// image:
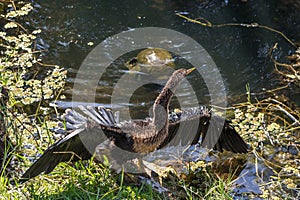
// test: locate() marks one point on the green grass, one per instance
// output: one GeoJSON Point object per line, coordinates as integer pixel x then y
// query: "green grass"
{"type": "Point", "coordinates": [84, 180]}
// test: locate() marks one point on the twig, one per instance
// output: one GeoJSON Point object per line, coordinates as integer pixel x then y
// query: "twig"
{"type": "Point", "coordinates": [296, 122]}
{"type": "Point", "coordinates": [252, 25]}
{"type": "Point", "coordinates": [45, 65]}
{"type": "Point", "coordinates": [22, 27]}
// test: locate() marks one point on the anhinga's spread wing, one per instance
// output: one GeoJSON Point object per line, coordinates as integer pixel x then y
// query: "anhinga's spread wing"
{"type": "Point", "coordinates": [184, 124]}
{"type": "Point", "coordinates": [222, 136]}
{"type": "Point", "coordinates": [188, 126]}
{"type": "Point", "coordinates": [82, 132]}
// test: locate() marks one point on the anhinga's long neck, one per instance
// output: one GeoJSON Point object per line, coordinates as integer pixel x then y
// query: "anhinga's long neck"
{"type": "Point", "coordinates": [161, 104]}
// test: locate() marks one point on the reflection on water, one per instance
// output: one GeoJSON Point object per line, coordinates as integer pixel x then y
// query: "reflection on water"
{"type": "Point", "coordinates": [240, 53]}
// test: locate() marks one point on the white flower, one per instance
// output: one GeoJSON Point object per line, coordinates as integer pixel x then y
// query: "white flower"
{"type": "Point", "coordinates": [2, 34]}
{"type": "Point", "coordinates": [90, 43]}
{"type": "Point", "coordinates": [36, 31]}
{"type": "Point", "coordinates": [10, 25]}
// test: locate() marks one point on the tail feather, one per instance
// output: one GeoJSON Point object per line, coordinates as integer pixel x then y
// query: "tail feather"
{"type": "Point", "coordinates": [108, 114]}
{"type": "Point", "coordinates": [102, 115]}
{"type": "Point", "coordinates": [73, 117]}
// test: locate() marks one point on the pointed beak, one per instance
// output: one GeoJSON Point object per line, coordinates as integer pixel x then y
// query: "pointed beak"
{"type": "Point", "coordinates": [190, 70]}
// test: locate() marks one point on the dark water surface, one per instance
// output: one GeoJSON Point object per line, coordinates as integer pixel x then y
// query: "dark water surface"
{"type": "Point", "coordinates": [241, 54]}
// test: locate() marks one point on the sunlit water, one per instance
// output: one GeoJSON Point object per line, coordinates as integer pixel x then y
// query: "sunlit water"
{"type": "Point", "coordinates": [241, 54]}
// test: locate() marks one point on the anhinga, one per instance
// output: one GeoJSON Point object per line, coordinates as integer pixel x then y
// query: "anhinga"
{"type": "Point", "coordinates": [137, 136]}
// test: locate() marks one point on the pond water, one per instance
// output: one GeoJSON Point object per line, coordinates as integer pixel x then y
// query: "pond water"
{"type": "Point", "coordinates": [241, 54]}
